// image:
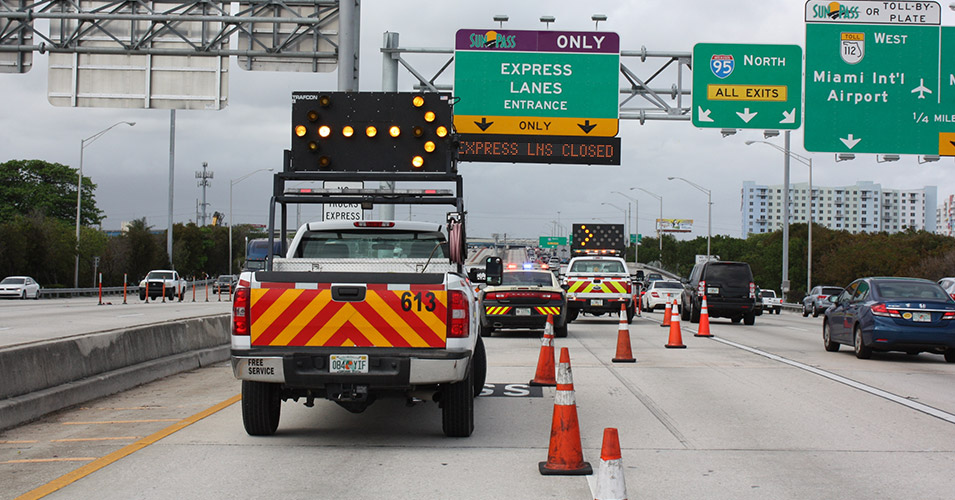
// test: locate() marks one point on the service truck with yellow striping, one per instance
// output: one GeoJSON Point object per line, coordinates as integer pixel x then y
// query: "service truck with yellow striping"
{"type": "Point", "coordinates": [597, 280]}
{"type": "Point", "coordinates": [354, 311]}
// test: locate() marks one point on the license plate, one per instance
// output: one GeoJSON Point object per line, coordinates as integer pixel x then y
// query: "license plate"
{"type": "Point", "coordinates": [597, 302]}
{"type": "Point", "coordinates": [522, 311]}
{"type": "Point", "coordinates": [922, 317]}
{"type": "Point", "coordinates": [348, 363]}
{"type": "Point", "coordinates": [712, 290]}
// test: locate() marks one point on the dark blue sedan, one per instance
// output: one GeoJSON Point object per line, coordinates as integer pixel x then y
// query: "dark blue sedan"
{"type": "Point", "coordinates": [891, 314]}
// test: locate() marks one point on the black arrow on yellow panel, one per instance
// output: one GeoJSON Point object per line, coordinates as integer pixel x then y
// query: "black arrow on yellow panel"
{"type": "Point", "coordinates": [586, 126]}
{"type": "Point", "coordinates": [483, 124]}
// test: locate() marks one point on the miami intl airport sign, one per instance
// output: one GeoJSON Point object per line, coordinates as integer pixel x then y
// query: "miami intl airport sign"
{"type": "Point", "coordinates": [552, 83]}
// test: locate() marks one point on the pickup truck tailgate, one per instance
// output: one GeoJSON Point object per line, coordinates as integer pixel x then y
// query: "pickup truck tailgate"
{"type": "Point", "coordinates": [364, 314]}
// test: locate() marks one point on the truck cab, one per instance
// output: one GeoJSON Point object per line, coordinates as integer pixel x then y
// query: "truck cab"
{"type": "Point", "coordinates": [598, 285]}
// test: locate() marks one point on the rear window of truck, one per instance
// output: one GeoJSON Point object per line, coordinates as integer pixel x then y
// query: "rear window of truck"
{"type": "Point", "coordinates": [597, 266]}
{"type": "Point", "coordinates": [365, 244]}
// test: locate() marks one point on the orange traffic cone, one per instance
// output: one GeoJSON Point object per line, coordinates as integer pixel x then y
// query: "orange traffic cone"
{"type": "Point", "coordinates": [676, 339]}
{"type": "Point", "coordinates": [704, 330]}
{"type": "Point", "coordinates": [610, 483]}
{"type": "Point", "coordinates": [565, 455]}
{"type": "Point", "coordinates": [545, 362]}
{"type": "Point", "coordinates": [666, 315]}
{"type": "Point", "coordinates": [624, 354]}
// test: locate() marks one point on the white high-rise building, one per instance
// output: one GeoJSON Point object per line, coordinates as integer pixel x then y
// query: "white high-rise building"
{"type": "Point", "coordinates": [945, 217]}
{"type": "Point", "coordinates": [865, 207]}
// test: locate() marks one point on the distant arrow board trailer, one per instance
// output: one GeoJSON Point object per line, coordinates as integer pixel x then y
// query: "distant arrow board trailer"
{"type": "Point", "coordinates": [553, 83]}
{"type": "Point", "coordinates": [747, 86]}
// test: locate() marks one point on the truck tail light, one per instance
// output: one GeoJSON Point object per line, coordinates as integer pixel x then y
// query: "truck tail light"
{"type": "Point", "coordinates": [701, 288]}
{"type": "Point", "coordinates": [458, 312]}
{"type": "Point", "coordinates": [752, 290]}
{"type": "Point", "coordinates": [240, 312]}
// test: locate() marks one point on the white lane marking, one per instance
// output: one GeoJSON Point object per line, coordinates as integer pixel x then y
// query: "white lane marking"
{"type": "Point", "coordinates": [129, 315]}
{"type": "Point", "coordinates": [935, 412]}
{"type": "Point", "coordinates": [798, 329]}
{"type": "Point", "coordinates": [4, 328]}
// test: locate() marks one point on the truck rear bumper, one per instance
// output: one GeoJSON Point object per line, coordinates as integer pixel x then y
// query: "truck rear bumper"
{"type": "Point", "coordinates": [396, 369]}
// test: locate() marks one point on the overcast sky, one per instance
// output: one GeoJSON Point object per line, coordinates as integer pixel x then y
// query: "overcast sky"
{"type": "Point", "coordinates": [130, 165]}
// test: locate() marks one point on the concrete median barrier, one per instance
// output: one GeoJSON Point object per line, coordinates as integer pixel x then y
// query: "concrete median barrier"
{"type": "Point", "coordinates": [42, 377]}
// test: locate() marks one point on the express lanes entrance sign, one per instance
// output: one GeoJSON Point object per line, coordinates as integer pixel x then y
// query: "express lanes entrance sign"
{"type": "Point", "coordinates": [554, 83]}
{"type": "Point", "coordinates": [880, 78]}
{"type": "Point", "coordinates": [747, 86]}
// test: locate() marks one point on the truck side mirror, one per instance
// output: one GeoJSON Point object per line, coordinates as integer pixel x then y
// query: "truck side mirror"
{"type": "Point", "coordinates": [493, 271]}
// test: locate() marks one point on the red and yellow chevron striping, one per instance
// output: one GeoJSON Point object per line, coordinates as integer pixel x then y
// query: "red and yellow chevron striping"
{"type": "Point", "coordinates": [548, 310]}
{"type": "Point", "coordinates": [588, 286]}
{"type": "Point", "coordinates": [496, 310]}
{"type": "Point", "coordinates": [415, 316]}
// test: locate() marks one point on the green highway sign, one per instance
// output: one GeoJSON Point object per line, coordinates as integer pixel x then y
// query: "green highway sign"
{"type": "Point", "coordinates": [747, 86]}
{"type": "Point", "coordinates": [552, 241]}
{"type": "Point", "coordinates": [636, 238]}
{"type": "Point", "coordinates": [880, 78]}
{"type": "Point", "coordinates": [554, 83]}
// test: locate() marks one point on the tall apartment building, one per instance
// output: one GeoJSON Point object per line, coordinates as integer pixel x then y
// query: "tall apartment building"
{"type": "Point", "coordinates": [945, 217]}
{"type": "Point", "coordinates": [864, 207]}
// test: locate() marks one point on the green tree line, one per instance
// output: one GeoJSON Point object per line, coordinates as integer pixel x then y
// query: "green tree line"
{"type": "Point", "coordinates": [38, 234]}
{"type": "Point", "coordinates": [838, 257]}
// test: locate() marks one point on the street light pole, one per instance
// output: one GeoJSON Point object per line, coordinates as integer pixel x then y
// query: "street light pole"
{"type": "Point", "coordinates": [233, 182]}
{"type": "Point", "coordinates": [709, 211]}
{"type": "Point", "coordinates": [636, 224]}
{"type": "Point", "coordinates": [807, 162]}
{"type": "Point", "coordinates": [659, 234]}
{"type": "Point", "coordinates": [79, 195]}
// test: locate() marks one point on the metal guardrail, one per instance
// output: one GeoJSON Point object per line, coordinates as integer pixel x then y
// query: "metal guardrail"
{"type": "Point", "coordinates": [51, 293]}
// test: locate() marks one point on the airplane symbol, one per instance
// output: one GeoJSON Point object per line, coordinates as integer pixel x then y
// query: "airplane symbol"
{"type": "Point", "coordinates": [921, 89]}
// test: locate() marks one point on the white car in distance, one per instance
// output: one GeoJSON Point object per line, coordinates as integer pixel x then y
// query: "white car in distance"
{"type": "Point", "coordinates": [660, 293]}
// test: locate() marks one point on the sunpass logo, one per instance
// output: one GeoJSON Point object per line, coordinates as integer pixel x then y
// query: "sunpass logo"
{"type": "Point", "coordinates": [493, 39]}
{"type": "Point", "coordinates": [834, 10]}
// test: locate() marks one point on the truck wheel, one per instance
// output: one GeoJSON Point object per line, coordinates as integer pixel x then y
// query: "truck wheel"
{"type": "Point", "coordinates": [182, 294]}
{"type": "Point", "coordinates": [560, 331]}
{"type": "Point", "coordinates": [572, 315]}
{"type": "Point", "coordinates": [695, 312]}
{"type": "Point", "coordinates": [487, 331]}
{"type": "Point", "coordinates": [749, 319]}
{"type": "Point", "coordinates": [142, 295]}
{"type": "Point", "coordinates": [457, 406]}
{"type": "Point", "coordinates": [685, 313]}
{"type": "Point", "coordinates": [261, 407]}
{"type": "Point", "coordinates": [480, 367]}
{"type": "Point", "coordinates": [630, 314]}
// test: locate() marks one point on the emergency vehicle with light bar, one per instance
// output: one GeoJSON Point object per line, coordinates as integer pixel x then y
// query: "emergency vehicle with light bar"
{"type": "Point", "coordinates": [355, 311]}
{"type": "Point", "coordinates": [597, 280]}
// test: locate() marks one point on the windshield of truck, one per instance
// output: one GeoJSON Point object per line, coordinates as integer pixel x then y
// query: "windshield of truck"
{"type": "Point", "coordinates": [159, 276]}
{"type": "Point", "coordinates": [258, 249]}
{"type": "Point", "coordinates": [528, 278]}
{"type": "Point", "coordinates": [597, 266]}
{"type": "Point", "coordinates": [372, 244]}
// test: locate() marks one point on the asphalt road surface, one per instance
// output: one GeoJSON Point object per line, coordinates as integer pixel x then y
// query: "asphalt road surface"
{"type": "Point", "coordinates": [756, 412]}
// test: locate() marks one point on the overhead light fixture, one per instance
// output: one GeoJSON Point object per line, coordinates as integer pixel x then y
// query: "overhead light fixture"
{"type": "Point", "coordinates": [500, 18]}
{"type": "Point", "coordinates": [770, 133]}
{"type": "Point", "coordinates": [596, 18]}
{"type": "Point", "coordinates": [845, 156]}
{"type": "Point", "coordinates": [728, 131]}
{"type": "Point", "coordinates": [928, 159]}
{"type": "Point", "coordinates": [887, 158]}
{"type": "Point", "coordinates": [547, 20]}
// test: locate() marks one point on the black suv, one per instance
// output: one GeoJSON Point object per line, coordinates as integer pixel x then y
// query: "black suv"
{"type": "Point", "coordinates": [729, 289]}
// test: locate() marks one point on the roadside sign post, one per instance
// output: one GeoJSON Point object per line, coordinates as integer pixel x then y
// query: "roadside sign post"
{"type": "Point", "coordinates": [880, 78]}
{"type": "Point", "coordinates": [747, 86]}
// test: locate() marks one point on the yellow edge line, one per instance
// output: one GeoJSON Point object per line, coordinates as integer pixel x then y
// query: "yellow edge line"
{"type": "Point", "coordinates": [76, 475]}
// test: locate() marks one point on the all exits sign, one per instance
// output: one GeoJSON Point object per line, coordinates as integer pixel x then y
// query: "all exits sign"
{"type": "Point", "coordinates": [536, 82]}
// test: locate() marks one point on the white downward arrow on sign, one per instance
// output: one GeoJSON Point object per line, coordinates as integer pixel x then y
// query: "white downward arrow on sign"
{"type": "Point", "coordinates": [789, 117]}
{"type": "Point", "coordinates": [704, 116]}
{"type": "Point", "coordinates": [746, 115]}
{"type": "Point", "coordinates": [850, 141]}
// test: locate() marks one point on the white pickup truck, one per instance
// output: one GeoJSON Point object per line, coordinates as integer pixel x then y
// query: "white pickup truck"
{"type": "Point", "coordinates": [162, 281]}
{"type": "Point", "coordinates": [771, 303]}
{"type": "Point", "coordinates": [355, 311]}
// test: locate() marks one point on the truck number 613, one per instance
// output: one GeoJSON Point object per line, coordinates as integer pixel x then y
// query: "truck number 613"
{"type": "Point", "coordinates": [409, 301]}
